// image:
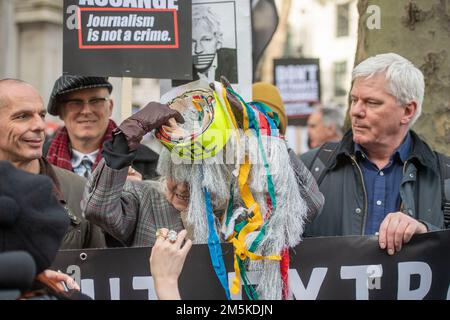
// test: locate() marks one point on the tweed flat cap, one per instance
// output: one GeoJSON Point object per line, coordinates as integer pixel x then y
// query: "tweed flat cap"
{"type": "Point", "coordinates": [66, 84]}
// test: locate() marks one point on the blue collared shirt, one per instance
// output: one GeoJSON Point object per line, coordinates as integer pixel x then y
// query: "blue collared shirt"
{"type": "Point", "coordinates": [383, 186]}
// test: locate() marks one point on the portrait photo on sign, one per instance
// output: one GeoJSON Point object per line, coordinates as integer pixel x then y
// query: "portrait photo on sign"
{"type": "Point", "coordinates": [214, 41]}
{"type": "Point", "coordinates": [217, 50]}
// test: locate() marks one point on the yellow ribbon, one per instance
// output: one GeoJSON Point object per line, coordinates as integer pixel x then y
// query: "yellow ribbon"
{"type": "Point", "coordinates": [255, 223]}
{"type": "Point", "coordinates": [240, 249]}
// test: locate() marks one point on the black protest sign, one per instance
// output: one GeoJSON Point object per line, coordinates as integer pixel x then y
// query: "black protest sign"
{"type": "Point", "coordinates": [299, 83]}
{"type": "Point", "coordinates": [130, 38]}
{"type": "Point", "coordinates": [320, 268]}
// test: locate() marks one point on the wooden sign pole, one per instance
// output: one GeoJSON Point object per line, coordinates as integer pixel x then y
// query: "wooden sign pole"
{"type": "Point", "coordinates": [126, 98]}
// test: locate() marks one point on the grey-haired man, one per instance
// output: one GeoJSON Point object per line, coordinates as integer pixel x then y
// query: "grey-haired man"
{"type": "Point", "coordinates": [381, 178]}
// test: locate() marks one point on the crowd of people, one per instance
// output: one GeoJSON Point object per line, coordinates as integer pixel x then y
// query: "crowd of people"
{"type": "Point", "coordinates": [94, 185]}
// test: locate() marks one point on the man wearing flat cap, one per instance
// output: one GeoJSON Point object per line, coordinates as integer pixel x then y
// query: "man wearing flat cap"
{"type": "Point", "coordinates": [83, 103]}
{"type": "Point", "coordinates": [22, 125]}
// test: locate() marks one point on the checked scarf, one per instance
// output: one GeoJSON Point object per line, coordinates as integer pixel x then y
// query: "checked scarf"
{"type": "Point", "coordinates": [60, 153]}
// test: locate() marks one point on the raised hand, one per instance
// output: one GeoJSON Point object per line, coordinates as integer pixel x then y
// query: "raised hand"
{"type": "Point", "coordinates": [152, 116]}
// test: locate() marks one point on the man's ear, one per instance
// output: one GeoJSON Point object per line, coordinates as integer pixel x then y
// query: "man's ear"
{"type": "Point", "coordinates": [111, 107]}
{"type": "Point", "coordinates": [61, 112]}
{"type": "Point", "coordinates": [331, 129]}
{"type": "Point", "coordinates": [409, 111]}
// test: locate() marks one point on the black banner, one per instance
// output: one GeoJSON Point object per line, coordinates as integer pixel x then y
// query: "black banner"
{"type": "Point", "coordinates": [344, 268]}
{"type": "Point", "coordinates": [148, 39]}
{"type": "Point", "coordinates": [299, 83]}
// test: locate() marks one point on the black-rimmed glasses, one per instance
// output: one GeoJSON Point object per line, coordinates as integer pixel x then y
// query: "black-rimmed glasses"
{"type": "Point", "coordinates": [79, 104]}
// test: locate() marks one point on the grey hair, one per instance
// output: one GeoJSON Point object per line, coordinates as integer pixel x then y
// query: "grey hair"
{"type": "Point", "coordinates": [332, 116]}
{"type": "Point", "coordinates": [403, 80]}
{"type": "Point", "coordinates": [204, 13]}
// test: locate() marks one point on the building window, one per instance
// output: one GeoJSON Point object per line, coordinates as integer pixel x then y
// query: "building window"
{"type": "Point", "coordinates": [343, 20]}
{"type": "Point", "coordinates": [340, 74]}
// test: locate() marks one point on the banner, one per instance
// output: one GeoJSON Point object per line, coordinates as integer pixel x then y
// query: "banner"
{"type": "Point", "coordinates": [343, 268]}
{"type": "Point", "coordinates": [299, 83]}
{"type": "Point", "coordinates": [127, 38]}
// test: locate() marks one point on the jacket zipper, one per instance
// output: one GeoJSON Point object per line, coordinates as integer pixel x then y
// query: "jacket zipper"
{"type": "Point", "coordinates": [365, 196]}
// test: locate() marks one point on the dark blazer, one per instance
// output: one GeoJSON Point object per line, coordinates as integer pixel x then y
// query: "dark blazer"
{"type": "Point", "coordinates": [346, 208]}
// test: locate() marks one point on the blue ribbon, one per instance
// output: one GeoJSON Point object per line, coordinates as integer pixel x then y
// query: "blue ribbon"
{"type": "Point", "coordinates": [215, 249]}
{"type": "Point", "coordinates": [253, 123]}
{"type": "Point", "coordinates": [260, 107]}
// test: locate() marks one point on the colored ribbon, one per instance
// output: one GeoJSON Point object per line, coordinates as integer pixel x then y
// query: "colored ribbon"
{"type": "Point", "coordinates": [215, 249]}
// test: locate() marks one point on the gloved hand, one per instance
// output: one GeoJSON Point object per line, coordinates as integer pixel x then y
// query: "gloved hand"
{"type": "Point", "coordinates": [152, 116]}
{"type": "Point", "coordinates": [235, 103]}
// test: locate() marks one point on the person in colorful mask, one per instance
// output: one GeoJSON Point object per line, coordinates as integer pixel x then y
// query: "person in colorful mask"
{"type": "Point", "coordinates": [215, 198]}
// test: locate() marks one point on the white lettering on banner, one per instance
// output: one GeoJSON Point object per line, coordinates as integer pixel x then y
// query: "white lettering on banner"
{"type": "Point", "coordinates": [311, 291]}
{"type": "Point", "coordinates": [253, 278]}
{"type": "Point", "coordinates": [368, 277]}
{"type": "Point", "coordinates": [144, 4]}
{"type": "Point", "coordinates": [361, 274]}
{"type": "Point", "coordinates": [112, 35]}
{"type": "Point", "coordinates": [151, 35]}
{"type": "Point", "coordinates": [131, 20]}
{"type": "Point", "coordinates": [93, 35]}
{"type": "Point", "coordinates": [87, 287]}
{"type": "Point", "coordinates": [405, 270]}
{"type": "Point", "coordinates": [114, 288]}
{"type": "Point", "coordinates": [145, 283]}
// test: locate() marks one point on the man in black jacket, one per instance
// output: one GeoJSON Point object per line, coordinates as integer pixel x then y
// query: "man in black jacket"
{"type": "Point", "coordinates": [381, 178]}
{"type": "Point", "coordinates": [83, 103]}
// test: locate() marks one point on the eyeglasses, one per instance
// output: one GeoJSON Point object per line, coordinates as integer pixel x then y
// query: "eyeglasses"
{"type": "Point", "coordinates": [79, 104]}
